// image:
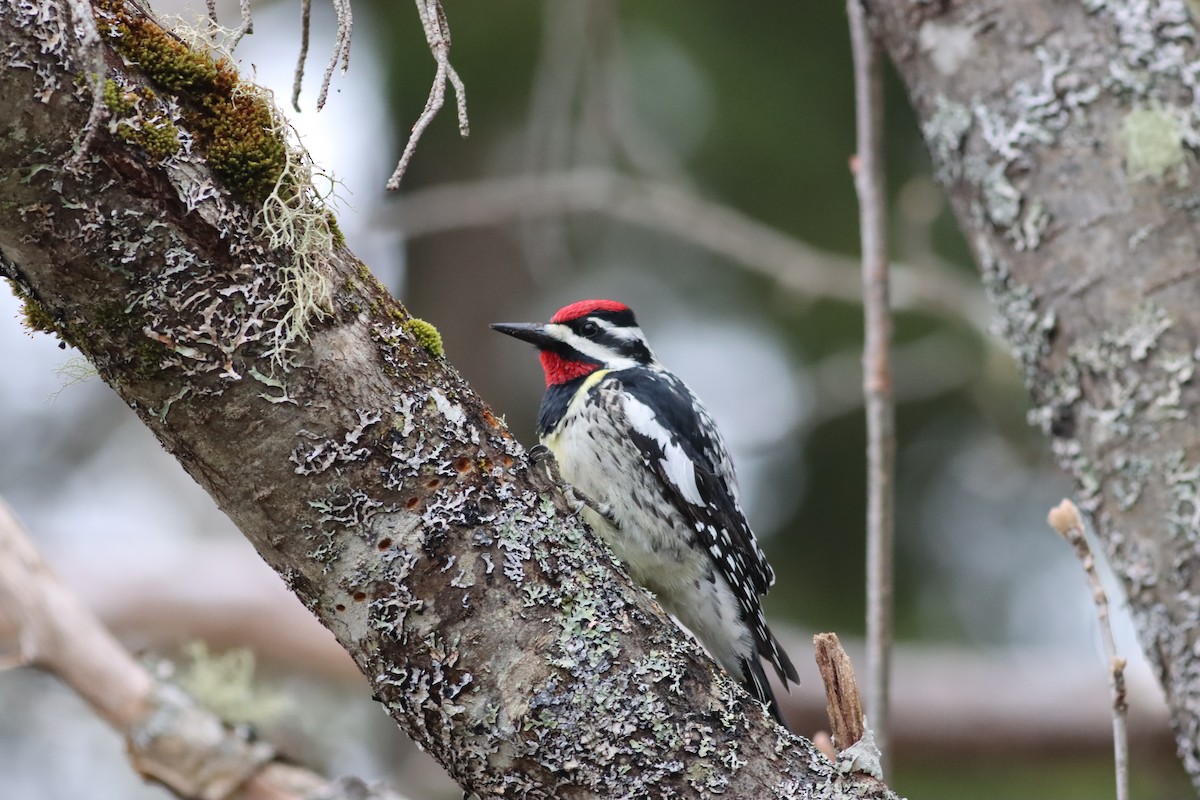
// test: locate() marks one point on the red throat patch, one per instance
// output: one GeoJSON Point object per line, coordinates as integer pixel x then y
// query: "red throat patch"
{"type": "Point", "coordinates": [561, 370]}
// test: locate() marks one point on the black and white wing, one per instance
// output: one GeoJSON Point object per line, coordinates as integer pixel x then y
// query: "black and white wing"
{"type": "Point", "coordinates": [682, 448]}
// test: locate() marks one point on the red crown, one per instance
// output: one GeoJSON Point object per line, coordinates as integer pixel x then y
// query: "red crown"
{"type": "Point", "coordinates": [585, 307]}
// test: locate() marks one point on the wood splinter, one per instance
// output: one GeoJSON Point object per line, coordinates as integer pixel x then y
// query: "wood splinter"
{"type": "Point", "coordinates": [841, 691]}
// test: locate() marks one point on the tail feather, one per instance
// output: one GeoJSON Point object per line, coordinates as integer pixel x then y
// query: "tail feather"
{"type": "Point", "coordinates": [770, 649]}
{"type": "Point", "coordinates": [754, 679]}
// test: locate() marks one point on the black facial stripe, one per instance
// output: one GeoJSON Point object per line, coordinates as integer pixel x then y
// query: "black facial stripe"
{"type": "Point", "coordinates": [633, 349]}
{"type": "Point", "coordinates": [618, 319]}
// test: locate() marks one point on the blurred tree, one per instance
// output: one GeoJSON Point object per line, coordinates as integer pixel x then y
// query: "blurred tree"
{"type": "Point", "coordinates": [1065, 136]}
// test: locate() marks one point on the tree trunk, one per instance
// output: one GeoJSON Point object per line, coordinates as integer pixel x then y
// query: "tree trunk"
{"type": "Point", "coordinates": [326, 423]}
{"type": "Point", "coordinates": [1065, 135]}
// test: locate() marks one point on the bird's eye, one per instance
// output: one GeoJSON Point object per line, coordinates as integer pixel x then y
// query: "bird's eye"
{"type": "Point", "coordinates": [589, 329]}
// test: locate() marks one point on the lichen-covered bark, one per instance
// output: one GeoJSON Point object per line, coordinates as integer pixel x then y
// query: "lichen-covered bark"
{"type": "Point", "coordinates": [326, 423]}
{"type": "Point", "coordinates": [1066, 134]}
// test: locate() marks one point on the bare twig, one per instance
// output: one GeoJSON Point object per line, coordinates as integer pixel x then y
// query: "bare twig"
{"type": "Point", "coordinates": [170, 738]}
{"type": "Point", "coordinates": [341, 48]}
{"type": "Point", "coordinates": [877, 379]}
{"type": "Point", "coordinates": [1065, 519]}
{"type": "Point", "coordinates": [437, 34]}
{"type": "Point", "coordinates": [305, 34]}
{"type": "Point", "coordinates": [796, 266]}
{"type": "Point", "coordinates": [341, 51]}
{"type": "Point", "coordinates": [245, 25]}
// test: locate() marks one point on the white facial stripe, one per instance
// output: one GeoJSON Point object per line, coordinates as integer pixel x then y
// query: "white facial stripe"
{"type": "Point", "coordinates": [621, 331]}
{"type": "Point", "coordinates": [678, 467]}
{"type": "Point", "coordinates": [589, 348]}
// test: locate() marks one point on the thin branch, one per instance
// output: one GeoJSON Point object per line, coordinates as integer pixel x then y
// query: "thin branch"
{"type": "Point", "coordinates": [169, 738]}
{"type": "Point", "coordinates": [1065, 519]}
{"type": "Point", "coordinates": [341, 51]}
{"type": "Point", "coordinates": [305, 34]}
{"type": "Point", "coordinates": [797, 267]}
{"type": "Point", "coordinates": [437, 35]}
{"type": "Point", "coordinates": [877, 379]}
{"type": "Point", "coordinates": [245, 25]}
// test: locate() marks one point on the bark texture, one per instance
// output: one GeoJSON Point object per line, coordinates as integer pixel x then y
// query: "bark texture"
{"type": "Point", "coordinates": [1065, 135]}
{"type": "Point", "coordinates": [326, 423]}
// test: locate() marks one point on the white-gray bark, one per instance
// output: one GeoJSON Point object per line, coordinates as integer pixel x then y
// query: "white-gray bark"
{"type": "Point", "coordinates": [1065, 135]}
{"type": "Point", "coordinates": [325, 422]}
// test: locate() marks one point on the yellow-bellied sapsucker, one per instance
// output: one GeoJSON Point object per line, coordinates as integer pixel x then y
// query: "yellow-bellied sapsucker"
{"type": "Point", "coordinates": [633, 438]}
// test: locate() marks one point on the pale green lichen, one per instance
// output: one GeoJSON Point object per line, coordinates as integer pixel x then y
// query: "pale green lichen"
{"type": "Point", "coordinates": [944, 131]}
{"type": "Point", "coordinates": [1152, 142]}
{"type": "Point", "coordinates": [224, 683]}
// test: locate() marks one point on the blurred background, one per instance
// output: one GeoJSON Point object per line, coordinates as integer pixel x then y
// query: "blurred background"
{"type": "Point", "coordinates": [691, 160]}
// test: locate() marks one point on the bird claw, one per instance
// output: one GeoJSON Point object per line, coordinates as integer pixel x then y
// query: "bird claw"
{"type": "Point", "coordinates": [546, 478]}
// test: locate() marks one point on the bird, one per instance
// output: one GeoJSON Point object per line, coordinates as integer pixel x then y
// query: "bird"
{"type": "Point", "coordinates": [633, 438]}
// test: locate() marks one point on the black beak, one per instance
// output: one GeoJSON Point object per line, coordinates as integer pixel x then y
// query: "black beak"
{"type": "Point", "coordinates": [532, 332]}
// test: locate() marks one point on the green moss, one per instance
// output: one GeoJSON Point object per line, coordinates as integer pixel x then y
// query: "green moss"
{"type": "Point", "coordinates": [338, 239]}
{"type": "Point", "coordinates": [425, 334]}
{"type": "Point", "coordinates": [120, 103]}
{"type": "Point", "coordinates": [232, 120]}
{"type": "Point", "coordinates": [158, 136]}
{"type": "Point", "coordinates": [36, 317]}
{"type": "Point", "coordinates": [1153, 142]}
{"type": "Point", "coordinates": [245, 150]}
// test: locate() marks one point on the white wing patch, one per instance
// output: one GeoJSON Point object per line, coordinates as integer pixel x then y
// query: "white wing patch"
{"type": "Point", "coordinates": [676, 465]}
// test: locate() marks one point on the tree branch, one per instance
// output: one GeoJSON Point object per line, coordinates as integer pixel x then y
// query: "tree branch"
{"type": "Point", "coordinates": [794, 265]}
{"type": "Point", "coordinates": [170, 739]}
{"type": "Point", "coordinates": [1065, 519]}
{"type": "Point", "coordinates": [437, 35]}
{"type": "Point", "coordinates": [877, 371]}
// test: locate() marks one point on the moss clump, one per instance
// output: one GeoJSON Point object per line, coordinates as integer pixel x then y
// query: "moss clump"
{"type": "Point", "coordinates": [233, 121]}
{"type": "Point", "coordinates": [426, 335]}
{"type": "Point", "coordinates": [1153, 142]}
{"type": "Point", "coordinates": [36, 317]}
{"type": "Point", "coordinates": [156, 135]}
{"type": "Point", "coordinates": [338, 239]}
{"type": "Point", "coordinates": [245, 148]}
{"type": "Point", "coordinates": [119, 103]}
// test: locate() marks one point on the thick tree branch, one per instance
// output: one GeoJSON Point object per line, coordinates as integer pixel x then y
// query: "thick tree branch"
{"type": "Point", "coordinates": [1037, 117]}
{"type": "Point", "coordinates": [497, 631]}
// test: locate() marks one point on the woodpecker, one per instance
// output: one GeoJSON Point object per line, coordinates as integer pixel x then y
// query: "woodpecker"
{"type": "Point", "coordinates": [633, 438]}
